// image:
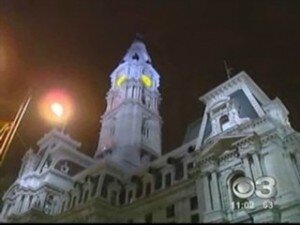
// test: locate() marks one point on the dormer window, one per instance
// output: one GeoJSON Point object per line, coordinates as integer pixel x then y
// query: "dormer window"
{"type": "Point", "coordinates": [224, 122]}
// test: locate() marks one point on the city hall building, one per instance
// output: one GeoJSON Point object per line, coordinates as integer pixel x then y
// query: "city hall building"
{"type": "Point", "coordinates": [239, 162]}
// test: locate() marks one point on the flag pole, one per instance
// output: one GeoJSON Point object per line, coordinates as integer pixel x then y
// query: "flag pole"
{"type": "Point", "coordinates": [13, 128]}
{"type": "Point", "coordinates": [227, 70]}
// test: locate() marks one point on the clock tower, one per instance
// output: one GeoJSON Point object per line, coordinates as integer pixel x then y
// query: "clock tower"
{"type": "Point", "coordinates": [131, 125]}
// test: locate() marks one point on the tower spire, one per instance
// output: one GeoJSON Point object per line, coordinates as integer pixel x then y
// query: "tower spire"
{"type": "Point", "coordinates": [131, 125]}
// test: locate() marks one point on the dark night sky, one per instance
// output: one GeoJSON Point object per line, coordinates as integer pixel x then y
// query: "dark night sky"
{"type": "Point", "coordinates": [76, 44]}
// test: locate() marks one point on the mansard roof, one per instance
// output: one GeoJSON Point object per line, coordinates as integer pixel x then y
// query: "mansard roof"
{"type": "Point", "coordinates": [247, 98]}
{"type": "Point", "coordinates": [233, 84]}
{"type": "Point", "coordinates": [192, 131]}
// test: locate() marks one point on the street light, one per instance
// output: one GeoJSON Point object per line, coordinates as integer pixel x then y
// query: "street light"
{"type": "Point", "coordinates": [56, 106]}
{"type": "Point", "coordinates": [58, 111]}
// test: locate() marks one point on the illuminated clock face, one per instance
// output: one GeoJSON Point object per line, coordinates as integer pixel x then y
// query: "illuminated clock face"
{"type": "Point", "coordinates": [146, 80]}
{"type": "Point", "coordinates": [121, 80]}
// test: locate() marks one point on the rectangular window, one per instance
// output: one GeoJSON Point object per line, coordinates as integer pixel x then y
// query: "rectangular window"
{"type": "Point", "coordinates": [178, 171]}
{"type": "Point", "coordinates": [148, 218]}
{"type": "Point", "coordinates": [170, 211]}
{"type": "Point", "coordinates": [158, 181]}
{"type": "Point", "coordinates": [168, 180]}
{"type": "Point", "coordinates": [194, 203]}
{"type": "Point", "coordinates": [195, 218]}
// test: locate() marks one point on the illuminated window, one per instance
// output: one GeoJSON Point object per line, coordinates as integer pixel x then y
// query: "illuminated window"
{"type": "Point", "coordinates": [146, 80]}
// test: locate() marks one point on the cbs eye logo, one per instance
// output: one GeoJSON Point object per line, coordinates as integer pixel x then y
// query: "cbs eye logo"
{"type": "Point", "coordinates": [264, 187]}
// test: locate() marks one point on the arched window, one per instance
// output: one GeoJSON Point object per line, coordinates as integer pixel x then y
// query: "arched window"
{"type": "Point", "coordinates": [224, 122]}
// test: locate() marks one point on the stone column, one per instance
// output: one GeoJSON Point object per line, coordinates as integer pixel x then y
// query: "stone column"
{"type": "Point", "coordinates": [185, 170]}
{"type": "Point", "coordinates": [215, 192]}
{"type": "Point", "coordinates": [126, 196]}
{"type": "Point", "coordinates": [292, 170]}
{"type": "Point", "coordinates": [136, 92]}
{"type": "Point", "coordinates": [208, 205]}
{"type": "Point", "coordinates": [3, 212]}
{"type": "Point", "coordinates": [25, 204]}
{"type": "Point", "coordinates": [247, 167]}
{"type": "Point", "coordinates": [99, 185]}
{"type": "Point", "coordinates": [163, 180]}
{"type": "Point", "coordinates": [257, 165]}
{"type": "Point", "coordinates": [43, 199]}
{"type": "Point", "coordinates": [18, 204]}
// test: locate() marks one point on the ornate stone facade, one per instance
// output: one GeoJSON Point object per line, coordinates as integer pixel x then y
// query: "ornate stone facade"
{"type": "Point", "coordinates": [242, 134]}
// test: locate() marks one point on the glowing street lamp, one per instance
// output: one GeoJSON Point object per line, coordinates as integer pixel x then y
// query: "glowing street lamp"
{"type": "Point", "coordinates": [57, 109]}
{"type": "Point", "coordinates": [56, 106]}
{"type": "Point", "coordinates": [59, 112]}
